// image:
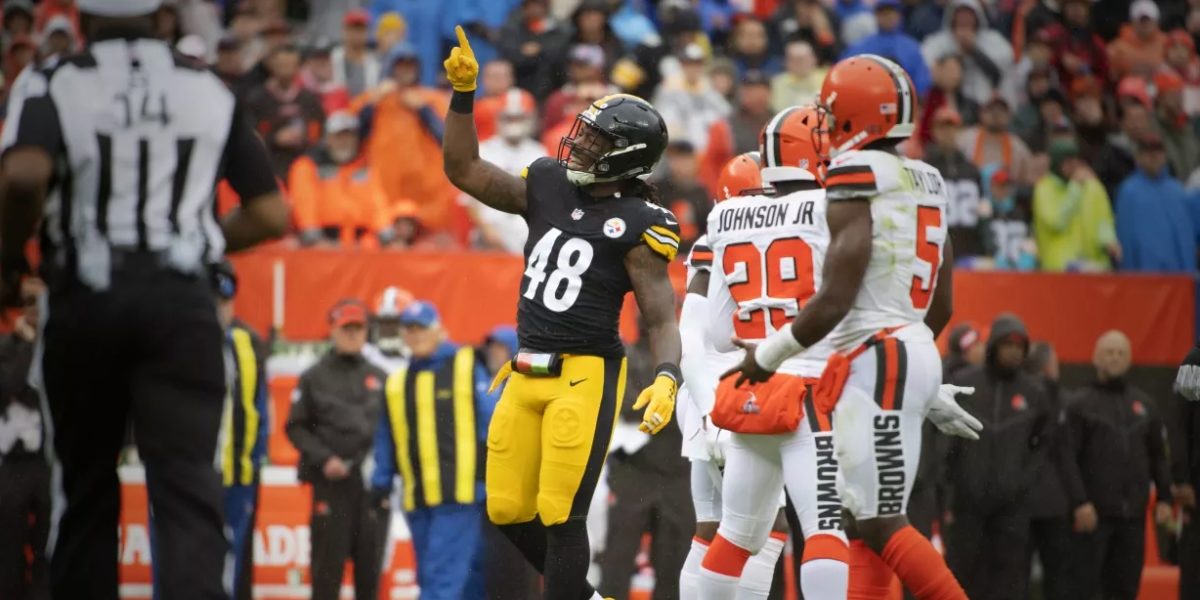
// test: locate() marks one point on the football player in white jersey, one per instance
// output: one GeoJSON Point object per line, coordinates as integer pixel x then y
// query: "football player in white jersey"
{"type": "Point", "coordinates": [884, 296]}
{"type": "Point", "coordinates": [702, 441]}
{"type": "Point", "coordinates": [767, 256]}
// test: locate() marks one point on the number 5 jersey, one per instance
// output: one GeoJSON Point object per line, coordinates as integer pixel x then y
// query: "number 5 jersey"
{"type": "Point", "coordinates": [575, 278]}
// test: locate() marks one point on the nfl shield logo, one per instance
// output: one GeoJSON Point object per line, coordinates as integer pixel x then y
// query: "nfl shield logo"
{"type": "Point", "coordinates": [750, 407]}
{"type": "Point", "coordinates": [577, 214]}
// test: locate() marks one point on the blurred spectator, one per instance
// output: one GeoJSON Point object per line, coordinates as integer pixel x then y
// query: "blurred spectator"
{"type": "Point", "coordinates": [1116, 160]}
{"type": "Point", "coordinates": [317, 76]}
{"type": "Point", "coordinates": [1119, 445]}
{"type": "Point", "coordinates": [1154, 223]}
{"type": "Point", "coordinates": [1037, 56]}
{"type": "Point", "coordinates": [804, 20]}
{"type": "Point", "coordinates": [590, 27]}
{"type": "Point", "coordinates": [1181, 58]}
{"type": "Point", "coordinates": [682, 192]}
{"type": "Point", "coordinates": [663, 509]}
{"type": "Point", "coordinates": [1185, 452]}
{"type": "Point", "coordinates": [354, 65]}
{"type": "Point", "coordinates": [446, 515]}
{"type": "Point", "coordinates": [801, 79]}
{"type": "Point", "coordinates": [24, 469]}
{"type": "Point", "coordinates": [1073, 220]}
{"type": "Point", "coordinates": [1004, 225]}
{"type": "Point", "coordinates": [965, 348]}
{"type": "Point", "coordinates": [1141, 45]}
{"type": "Point", "coordinates": [21, 52]}
{"type": "Point", "coordinates": [425, 31]}
{"type": "Point", "coordinates": [854, 20]}
{"type": "Point", "coordinates": [688, 104]}
{"type": "Point", "coordinates": [18, 21]}
{"type": "Point", "coordinates": [925, 18]}
{"type": "Point", "coordinates": [1049, 508]}
{"type": "Point", "coordinates": [1049, 114]}
{"type": "Point", "coordinates": [749, 49]}
{"type": "Point", "coordinates": [947, 91]}
{"type": "Point", "coordinates": [987, 57]}
{"type": "Point", "coordinates": [336, 199]}
{"type": "Point", "coordinates": [962, 183]}
{"type": "Point", "coordinates": [332, 423]}
{"type": "Point", "coordinates": [512, 149]}
{"type": "Point", "coordinates": [194, 48]}
{"type": "Point", "coordinates": [166, 23]}
{"type": "Point", "coordinates": [286, 115]}
{"type": "Point", "coordinates": [495, 80]}
{"type": "Point", "coordinates": [48, 9]}
{"type": "Point", "coordinates": [275, 35]}
{"type": "Point", "coordinates": [390, 29]}
{"type": "Point", "coordinates": [753, 112]}
{"type": "Point", "coordinates": [405, 120]}
{"type": "Point", "coordinates": [585, 65]}
{"type": "Point", "coordinates": [892, 42]}
{"type": "Point", "coordinates": [532, 41]}
{"type": "Point", "coordinates": [58, 40]}
{"type": "Point", "coordinates": [1077, 50]}
{"type": "Point", "coordinates": [245, 27]}
{"type": "Point", "coordinates": [1179, 132]}
{"type": "Point", "coordinates": [655, 58]}
{"type": "Point", "coordinates": [991, 144]}
{"type": "Point", "coordinates": [989, 480]}
{"type": "Point", "coordinates": [229, 65]}
{"type": "Point", "coordinates": [630, 23]}
{"type": "Point", "coordinates": [584, 96]}
{"type": "Point", "coordinates": [326, 19]}
{"type": "Point", "coordinates": [1027, 120]}
{"type": "Point", "coordinates": [722, 74]}
{"type": "Point", "coordinates": [385, 348]}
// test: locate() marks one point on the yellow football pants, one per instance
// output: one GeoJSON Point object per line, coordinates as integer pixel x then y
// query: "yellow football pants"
{"type": "Point", "coordinates": [548, 440]}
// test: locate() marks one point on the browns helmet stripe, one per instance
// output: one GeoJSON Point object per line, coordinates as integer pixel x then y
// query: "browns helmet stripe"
{"type": "Point", "coordinates": [772, 140]}
{"type": "Point", "coordinates": [904, 91]}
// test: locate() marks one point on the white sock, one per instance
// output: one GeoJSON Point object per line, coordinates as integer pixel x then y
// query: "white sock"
{"type": "Point", "coordinates": [715, 586]}
{"type": "Point", "coordinates": [759, 571]}
{"type": "Point", "coordinates": [597, 596]}
{"type": "Point", "coordinates": [689, 576]}
{"type": "Point", "coordinates": [824, 578]}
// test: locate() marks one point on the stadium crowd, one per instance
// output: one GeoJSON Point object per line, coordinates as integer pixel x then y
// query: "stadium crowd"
{"type": "Point", "coordinates": [1068, 130]}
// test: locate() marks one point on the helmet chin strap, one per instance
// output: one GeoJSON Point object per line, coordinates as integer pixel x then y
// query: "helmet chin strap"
{"type": "Point", "coordinates": [585, 178]}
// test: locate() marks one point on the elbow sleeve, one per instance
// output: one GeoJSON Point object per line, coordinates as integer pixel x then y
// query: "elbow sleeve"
{"type": "Point", "coordinates": [700, 380]}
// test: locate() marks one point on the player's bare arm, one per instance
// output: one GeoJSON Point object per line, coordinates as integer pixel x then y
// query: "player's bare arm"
{"type": "Point", "coordinates": [656, 300]}
{"type": "Point", "coordinates": [699, 284]}
{"type": "Point", "coordinates": [941, 307]}
{"type": "Point", "coordinates": [26, 176]}
{"type": "Point", "coordinates": [845, 264]}
{"type": "Point", "coordinates": [468, 172]}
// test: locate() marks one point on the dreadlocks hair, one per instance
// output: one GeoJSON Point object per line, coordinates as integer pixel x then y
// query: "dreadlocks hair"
{"type": "Point", "coordinates": [642, 189]}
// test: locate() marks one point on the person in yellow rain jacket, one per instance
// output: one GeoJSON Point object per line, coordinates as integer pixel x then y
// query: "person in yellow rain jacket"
{"type": "Point", "coordinates": [338, 200]}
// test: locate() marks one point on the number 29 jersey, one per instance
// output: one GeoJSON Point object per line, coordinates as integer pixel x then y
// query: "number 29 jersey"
{"type": "Point", "coordinates": [908, 231]}
{"type": "Point", "coordinates": [768, 252]}
{"type": "Point", "coordinates": [575, 278]}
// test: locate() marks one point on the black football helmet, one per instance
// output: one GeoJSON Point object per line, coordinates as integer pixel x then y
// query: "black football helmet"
{"type": "Point", "coordinates": [618, 137]}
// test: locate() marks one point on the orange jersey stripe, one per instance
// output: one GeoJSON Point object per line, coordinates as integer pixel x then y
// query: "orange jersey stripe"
{"type": "Point", "coordinates": [891, 355]}
{"type": "Point", "coordinates": [851, 179]}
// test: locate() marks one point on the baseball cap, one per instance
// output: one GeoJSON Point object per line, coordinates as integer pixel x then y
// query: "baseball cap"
{"type": "Point", "coordinates": [503, 334]}
{"type": "Point", "coordinates": [356, 18]}
{"type": "Point", "coordinates": [692, 53]}
{"type": "Point", "coordinates": [348, 312]}
{"type": "Point", "coordinates": [420, 313]}
{"type": "Point", "coordinates": [118, 8]}
{"type": "Point", "coordinates": [1136, 88]}
{"type": "Point", "coordinates": [193, 46]}
{"type": "Point", "coordinates": [389, 22]}
{"type": "Point", "coordinates": [1143, 9]}
{"type": "Point", "coordinates": [59, 24]}
{"type": "Point", "coordinates": [947, 114]}
{"type": "Point", "coordinates": [339, 121]}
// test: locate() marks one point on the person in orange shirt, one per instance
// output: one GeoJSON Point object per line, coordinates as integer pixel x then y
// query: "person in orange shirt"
{"type": "Point", "coordinates": [1141, 46]}
{"type": "Point", "coordinates": [337, 199]}
{"type": "Point", "coordinates": [404, 142]}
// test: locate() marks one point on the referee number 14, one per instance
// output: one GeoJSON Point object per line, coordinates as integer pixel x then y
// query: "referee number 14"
{"type": "Point", "coordinates": [560, 287]}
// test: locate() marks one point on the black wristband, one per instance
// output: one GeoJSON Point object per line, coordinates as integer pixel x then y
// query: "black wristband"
{"type": "Point", "coordinates": [671, 370]}
{"type": "Point", "coordinates": [462, 102]}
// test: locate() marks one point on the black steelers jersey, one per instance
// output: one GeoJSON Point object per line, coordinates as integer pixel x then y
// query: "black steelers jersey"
{"type": "Point", "coordinates": [575, 279]}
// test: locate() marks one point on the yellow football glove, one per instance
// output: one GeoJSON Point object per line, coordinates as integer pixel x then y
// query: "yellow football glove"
{"type": "Point", "coordinates": [659, 402]}
{"type": "Point", "coordinates": [461, 68]}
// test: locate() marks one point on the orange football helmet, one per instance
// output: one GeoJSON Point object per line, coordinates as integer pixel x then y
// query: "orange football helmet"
{"type": "Point", "coordinates": [866, 98]}
{"type": "Point", "coordinates": [791, 145]}
{"type": "Point", "coordinates": [741, 174]}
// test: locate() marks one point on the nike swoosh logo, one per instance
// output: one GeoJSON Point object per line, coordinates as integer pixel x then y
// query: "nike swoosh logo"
{"type": "Point", "coordinates": [578, 381]}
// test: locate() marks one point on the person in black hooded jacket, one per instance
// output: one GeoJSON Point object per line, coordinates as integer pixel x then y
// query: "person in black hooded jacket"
{"type": "Point", "coordinates": [988, 481]}
{"type": "Point", "coordinates": [1119, 446]}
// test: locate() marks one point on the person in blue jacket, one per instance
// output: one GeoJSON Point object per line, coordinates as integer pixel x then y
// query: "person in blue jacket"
{"type": "Point", "coordinates": [1154, 223]}
{"type": "Point", "coordinates": [890, 41]}
{"type": "Point", "coordinates": [434, 436]}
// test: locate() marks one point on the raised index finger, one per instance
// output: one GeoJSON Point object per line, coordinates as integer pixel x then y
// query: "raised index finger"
{"type": "Point", "coordinates": [462, 40]}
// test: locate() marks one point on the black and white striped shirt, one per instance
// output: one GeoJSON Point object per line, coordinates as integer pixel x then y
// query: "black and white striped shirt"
{"type": "Point", "coordinates": [140, 138]}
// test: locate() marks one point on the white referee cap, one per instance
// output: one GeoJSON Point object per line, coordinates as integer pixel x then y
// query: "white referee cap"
{"type": "Point", "coordinates": [119, 8]}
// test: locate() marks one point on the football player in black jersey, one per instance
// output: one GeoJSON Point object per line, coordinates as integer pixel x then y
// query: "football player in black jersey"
{"type": "Point", "coordinates": [593, 236]}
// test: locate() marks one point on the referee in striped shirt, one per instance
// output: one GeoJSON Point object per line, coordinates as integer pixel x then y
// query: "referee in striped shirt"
{"type": "Point", "coordinates": [117, 151]}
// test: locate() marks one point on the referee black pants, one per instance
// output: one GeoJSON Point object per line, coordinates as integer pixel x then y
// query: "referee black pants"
{"type": "Point", "coordinates": [147, 352]}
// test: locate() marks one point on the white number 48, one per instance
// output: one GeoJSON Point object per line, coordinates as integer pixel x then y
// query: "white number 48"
{"type": "Point", "coordinates": [574, 258]}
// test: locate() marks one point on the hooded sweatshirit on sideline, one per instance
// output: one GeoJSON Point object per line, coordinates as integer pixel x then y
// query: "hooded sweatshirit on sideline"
{"type": "Point", "coordinates": [976, 83]}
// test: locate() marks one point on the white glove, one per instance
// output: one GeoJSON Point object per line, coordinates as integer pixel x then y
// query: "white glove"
{"type": "Point", "coordinates": [950, 418]}
{"type": "Point", "coordinates": [1187, 382]}
{"type": "Point", "coordinates": [713, 442]}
